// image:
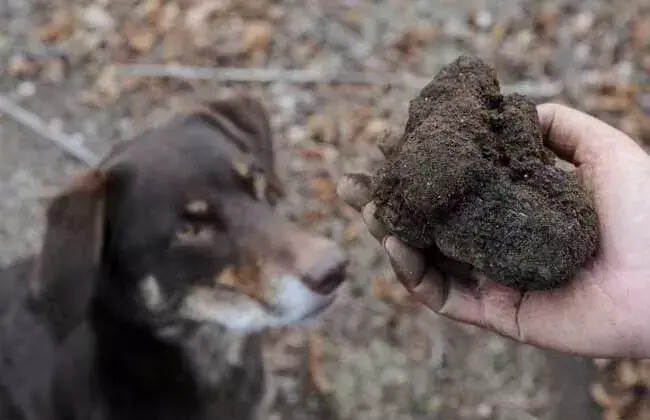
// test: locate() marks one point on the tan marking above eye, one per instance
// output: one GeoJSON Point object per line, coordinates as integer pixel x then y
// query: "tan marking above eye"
{"type": "Point", "coordinates": [197, 207]}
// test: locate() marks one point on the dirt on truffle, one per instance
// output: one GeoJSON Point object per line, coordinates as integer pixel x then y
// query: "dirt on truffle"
{"type": "Point", "coordinates": [473, 178]}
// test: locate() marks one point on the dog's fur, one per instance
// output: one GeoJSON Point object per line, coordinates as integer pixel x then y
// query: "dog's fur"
{"type": "Point", "coordinates": [157, 272]}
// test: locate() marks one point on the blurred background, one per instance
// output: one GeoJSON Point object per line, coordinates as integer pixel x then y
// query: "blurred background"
{"type": "Point", "coordinates": [77, 67]}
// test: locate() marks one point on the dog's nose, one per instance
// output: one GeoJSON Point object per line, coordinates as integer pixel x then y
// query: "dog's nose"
{"type": "Point", "coordinates": [327, 272]}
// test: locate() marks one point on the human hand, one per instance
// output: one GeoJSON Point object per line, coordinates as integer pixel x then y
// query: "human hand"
{"type": "Point", "coordinates": [605, 310]}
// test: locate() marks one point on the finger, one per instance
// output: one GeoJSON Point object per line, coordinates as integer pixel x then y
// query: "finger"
{"type": "Point", "coordinates": [408, 263]}
{"type": "Point", "coordinates": [374, 226]}
{"type": "Point", "coordinates": [485, 304]}
{"type": "Point", "coordinates": [354, 189]}
{"type": "Point", "coordinates": [575, 136]}
{"type": "Point", "coordinates": [433, 290]}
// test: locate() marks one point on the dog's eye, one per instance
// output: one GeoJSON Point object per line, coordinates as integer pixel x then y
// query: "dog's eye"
{"type": "Point", "coordinates": [195, 233]}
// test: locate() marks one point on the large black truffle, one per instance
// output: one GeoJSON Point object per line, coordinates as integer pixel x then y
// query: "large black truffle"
{"type": "Point", "coordinates": [473, 178]}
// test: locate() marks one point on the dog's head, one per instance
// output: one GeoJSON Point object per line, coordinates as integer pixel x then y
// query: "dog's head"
{"type": "Point", "coordinates": [177, 226]}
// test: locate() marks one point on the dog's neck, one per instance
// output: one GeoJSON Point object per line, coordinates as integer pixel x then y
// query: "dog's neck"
{"type": "Point", "coordinates": [210, 371]}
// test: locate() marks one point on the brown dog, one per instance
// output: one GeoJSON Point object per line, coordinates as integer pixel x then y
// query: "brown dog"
{"type": "Point", "coordinates": [157, 271]}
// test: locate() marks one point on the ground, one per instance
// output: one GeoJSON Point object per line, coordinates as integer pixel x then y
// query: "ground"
{"type": "Point", "coordinates": [375, 354]}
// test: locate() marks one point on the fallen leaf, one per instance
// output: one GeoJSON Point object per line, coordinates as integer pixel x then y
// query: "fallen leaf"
{"type": "Point", "coordinates": [139, 37]}
{"type": "Point", "coordinates": [60, 27]}
{"type": "Point", "coordinates": [105, 89]}
{"type": "Point", "coordinates": [324, 189]}
{"type": "Point", "coordinates": [311, 153]}
{"type": "Point", "coordinates": [318, 379]}
{"type": "Point", "coordinates": [322, 128]}
{"type": "Point", "coordinates": [417, 37]}
{"type": "Point", "coordinates": [148, 9]}
{"type": "Point", "coordinates": [175, 43]}
{"type": "Point", "coordinates": [197, 15]}
{"type": "Point", "coordinates": [375, 130]}
{"type": "Point", "coordinates": [312, 216]}
{"type": "Point", "coordinates": [22, 66]}
{"type": "Point", "coordinates": [168, 16]}
{"type": "Point", "coordinates": [389, 291]}
{"type": "Point", "coordinates": [257, 37]}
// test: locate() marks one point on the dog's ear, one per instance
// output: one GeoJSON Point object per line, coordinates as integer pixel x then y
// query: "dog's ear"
{"type": "Point", "coordinates": [249, 117]}
{"type": "Point", "coordinates": [67, 269]}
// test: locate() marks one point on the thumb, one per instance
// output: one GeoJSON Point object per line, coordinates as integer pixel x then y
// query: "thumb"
{"type": "Point", "coordinates": [577, 137]}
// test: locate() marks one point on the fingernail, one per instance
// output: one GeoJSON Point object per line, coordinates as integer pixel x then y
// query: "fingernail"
{"type": "Point", "coordinates": [408, 263]}
{"type": "Point", "coordinates": [433, 290]}
{"type": "Point", "coordinates": [374, 226]}
{"type": "Point", "coordinates": [354, 189]}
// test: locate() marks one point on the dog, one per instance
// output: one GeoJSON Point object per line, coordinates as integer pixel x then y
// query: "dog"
{"type": "Point", "coordinates": [157, 274]}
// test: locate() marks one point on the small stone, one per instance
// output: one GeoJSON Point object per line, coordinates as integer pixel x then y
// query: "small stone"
{"type": "Point", "coordinates": [484, 410]}
{"type": "Point", "coordinates": [26, 89]}
{"type": "Point", "coordinates": [483, 19]}
{"type": "Point", "coordinates": [96, 17]}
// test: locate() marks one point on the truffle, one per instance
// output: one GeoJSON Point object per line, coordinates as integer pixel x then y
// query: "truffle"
{"type": "Point", "coordinates": [473, 179]}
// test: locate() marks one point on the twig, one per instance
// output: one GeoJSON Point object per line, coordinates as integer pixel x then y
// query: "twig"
{"type": "Point", "coordinates": [36, 124]}
{"type": "Point", "coordinates": [232, 74]}
{"type": "Point", "coordinates": [544, 89]}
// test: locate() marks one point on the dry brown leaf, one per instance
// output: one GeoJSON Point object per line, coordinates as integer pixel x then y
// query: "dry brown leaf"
{"type": "Point", "coordinates": [197, 15]}
{"type": "Point", "coordinates": [324, 189]}
{"type": "Point", "coordinates": [105, 89]}
{"type": "Point", "coordinates": [139, 37]}
{"type": "Point", "coordinates": [148, 9]}
{"type": "Point", "coordinates": [417, 37]}
{"type": "Point", "coordinates": [311, 153]}
{"type": "Point", "coordinates": [22, 66]}
{"type": "Point", "coordinates": [318, 379]}
{"type": "Point", "coordinates": [257, 37]}
{"type": "Point", "coordinates": [376, 130]}
{"type": "Point", "coordinates": [168, 16]}
{"type": "Point", "coordinates": [312, 216]}
{"type": "Point", "coordinates": [59, 28]}
{"type": "Point", "coordinates": [322, 128]}
{"type": "Point", "coordinates": [175, 44]}
{"type": "Point", "coordinates": [389, 291]}
{"type": "Point", "coordinates": [640, 33]}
